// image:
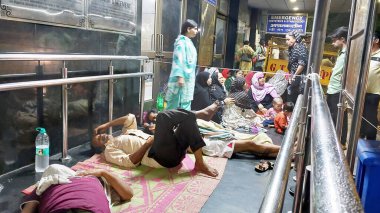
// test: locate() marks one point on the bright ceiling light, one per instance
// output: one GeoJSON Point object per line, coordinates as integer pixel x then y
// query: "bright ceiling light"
{"type": "Point", "coordinates": [292, 0]}
{"type": "Point", "coordinates": [296, 8]}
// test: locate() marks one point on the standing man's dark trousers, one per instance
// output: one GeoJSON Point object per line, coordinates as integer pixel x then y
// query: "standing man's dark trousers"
{"type": "Point", "coordinates": [176, 130]}
{"type": "Point", "coordinates": [294, 89]}
{"type": "Point", "coordinates": [332, 102]}
{"type": "Point", "coordinates": [367, 130]}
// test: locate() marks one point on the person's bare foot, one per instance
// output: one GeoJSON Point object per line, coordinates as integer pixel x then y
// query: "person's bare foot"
{"type": "Point", "coordinates": [205, 169]}
{"type": "Point", "coordinates": [208, 112]}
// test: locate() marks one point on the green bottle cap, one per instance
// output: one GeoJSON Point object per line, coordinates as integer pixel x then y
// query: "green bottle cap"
{"type": "Point", "coordinates": [41, 130]}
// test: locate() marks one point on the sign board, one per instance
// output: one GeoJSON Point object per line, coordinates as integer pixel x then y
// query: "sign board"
{"type": "Point", "coordinates": [59, 12]}
{"type": "Point", "coordinates": [118, 16]}
{"type": "Point", "coordinates": [282, 24]}
{"type": "Point", "coordinates": [114, 15]}
{"type": "Point", "coordinates": [279, 64]}
{"type": "Point", "coordinates": [212, 2]}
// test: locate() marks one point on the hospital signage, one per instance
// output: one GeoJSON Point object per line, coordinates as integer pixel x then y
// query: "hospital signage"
{"type": "Point", "coordinates": [282, 24]}
{"type": "Point", "coordinates": [212, 2]}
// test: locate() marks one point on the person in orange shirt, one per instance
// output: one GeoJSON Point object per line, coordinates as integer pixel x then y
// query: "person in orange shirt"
{"type": "Point", "coordinates": [282, 118]}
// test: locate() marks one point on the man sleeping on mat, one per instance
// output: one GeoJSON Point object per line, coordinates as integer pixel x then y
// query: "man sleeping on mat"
{"type": "Point", "coordinates": [175, 131]}
{"type": "Point", "coordinates": [64, 190]}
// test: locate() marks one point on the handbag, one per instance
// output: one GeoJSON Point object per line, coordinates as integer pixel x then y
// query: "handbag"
{"type": "Point", "coordinates": [246, 57]}
{"type": "Point", "coordinates": [255, 59]}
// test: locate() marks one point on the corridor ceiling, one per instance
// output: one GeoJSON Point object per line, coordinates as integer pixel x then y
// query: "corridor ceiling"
{"type": "Point", "coordinates": [302, 5]}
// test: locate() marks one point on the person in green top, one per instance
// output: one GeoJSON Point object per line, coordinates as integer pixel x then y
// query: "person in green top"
{"type": "Point", "coordinates": [231, 77]}
{"type": "Point", "coordinates": [182, 77]}
{"type": "Point", "coordinates": [260, 54]}
{"type": "Point", "coordinates": [339, 40]}
{"type": "Point", "coordinates": [245, 55]}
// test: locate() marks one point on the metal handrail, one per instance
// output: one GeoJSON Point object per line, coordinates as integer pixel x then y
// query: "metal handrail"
{"type": "Point", "coordinates": [64, 81]}
{"type": "Point", "coordinates": [66, 57]}
{"type": "Point", "coordinates": [55, 82]}
{"type": "Point", "coordinates": [332, 185]}
{"type": "Point", "coordinates": [321, 14]}
{"type": "Point", "coordinates": [274, 197]}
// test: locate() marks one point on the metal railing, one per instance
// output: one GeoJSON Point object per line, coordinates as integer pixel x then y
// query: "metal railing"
{"type": "Point", "coordinates": [332, 185]}
{"type": "Point", "coordinates": [274, 197]}
{"type": "Point", "coordinates": [65, 81]}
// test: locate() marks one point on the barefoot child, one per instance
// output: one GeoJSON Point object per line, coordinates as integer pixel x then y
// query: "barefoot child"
{"type": "Point", "coordinates": [273, 111]}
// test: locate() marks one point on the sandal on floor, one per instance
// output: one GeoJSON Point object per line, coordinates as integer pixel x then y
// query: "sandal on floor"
{"type": "Point", "coordinates": [264, 166]}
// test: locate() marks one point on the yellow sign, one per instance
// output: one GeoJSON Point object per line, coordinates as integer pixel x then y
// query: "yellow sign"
{"type": "Point", "coordinates": [279, 64]}
{"type": "Point", "coordinates": [325, 74]}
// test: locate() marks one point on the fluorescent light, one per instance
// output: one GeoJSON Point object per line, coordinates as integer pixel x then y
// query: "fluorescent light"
{"type": "Point", "coordinates": [296, 8]}
{"type": "Point", "coordinates": [292, 0]}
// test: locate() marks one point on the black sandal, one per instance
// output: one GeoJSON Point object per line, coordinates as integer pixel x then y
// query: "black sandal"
{"type": "Point", "coordinates": [264, 166]}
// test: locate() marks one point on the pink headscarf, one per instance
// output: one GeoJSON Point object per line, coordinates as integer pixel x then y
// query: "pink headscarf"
{"type": "Point", "coordinates": [260, 91]}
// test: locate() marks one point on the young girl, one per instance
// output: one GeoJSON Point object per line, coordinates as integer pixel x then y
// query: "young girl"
{"type": "Point", "coordinates": [273, 111]}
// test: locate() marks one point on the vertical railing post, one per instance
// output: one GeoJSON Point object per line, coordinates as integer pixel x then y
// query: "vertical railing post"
{"type": "Point", "coordinates": [40, 98]}
{"type": "Point", "coordinates": [65, 157]}
{"type": "Point", "coordinates": [142, 91]}
{"type": "Point", "coordinates": [110, 97]}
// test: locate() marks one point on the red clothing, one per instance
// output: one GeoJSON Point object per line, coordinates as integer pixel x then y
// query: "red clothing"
{"type": "Point", "coordinates": [84, 193]}
{"type": "Point", "coordinates": [280, 122]}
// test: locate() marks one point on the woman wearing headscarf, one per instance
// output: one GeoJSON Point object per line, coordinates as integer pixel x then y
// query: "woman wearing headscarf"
{"type": "Point", "coordinates": [261, 93]}
{"type": "Point", "coordinates": [202, 97]}
{"type": "Point", "coordinates": [182, 76]}
{"type": "Point", "coordinates": [297, 65]}
{"type": "Point", "coordinates": [218, 93]}
{"type": "Point", "coordinates": [240, 114]}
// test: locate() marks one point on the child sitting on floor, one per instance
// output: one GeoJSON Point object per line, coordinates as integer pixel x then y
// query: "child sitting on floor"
{"type": "Point", "coordinates": [150, 121]}
{"type": "Point", "coordinates": [273, 111]}
{"type": "Point", "coordinates": [281, 119]}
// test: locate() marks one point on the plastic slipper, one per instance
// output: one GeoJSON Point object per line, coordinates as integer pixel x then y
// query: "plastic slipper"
{"type": "Point", "coordinates": [263, 166]}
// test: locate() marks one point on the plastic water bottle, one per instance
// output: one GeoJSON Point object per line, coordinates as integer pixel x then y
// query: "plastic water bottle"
{"type": "Point", "coordinates": [42, 150]}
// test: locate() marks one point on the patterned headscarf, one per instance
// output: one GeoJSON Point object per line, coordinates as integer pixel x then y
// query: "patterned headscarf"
{"type": "Point", "coordinates": [238, 84]}
{"type": "Point", "coordinates": [260, 91]}
{"type": "Point", "coordinates": [237, 92]}
{"type": "Point", "coordinates": [296, 35]}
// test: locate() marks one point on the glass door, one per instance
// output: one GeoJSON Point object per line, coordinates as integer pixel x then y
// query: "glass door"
{"type": "Point", "coordinates": [220, 41]}
{"type": "Point", "coordinates": [161, 23]}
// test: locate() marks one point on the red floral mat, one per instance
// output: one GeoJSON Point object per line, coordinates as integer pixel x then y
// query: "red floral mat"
{"type": "Point", "coordinates": [163, 190]}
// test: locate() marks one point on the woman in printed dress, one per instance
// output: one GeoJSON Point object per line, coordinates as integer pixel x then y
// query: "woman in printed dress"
{"type": "Point", "coordinates": [182, 77]}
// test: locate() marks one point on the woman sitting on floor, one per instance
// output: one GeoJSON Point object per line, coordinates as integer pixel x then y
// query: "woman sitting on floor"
{"type": "Point", "coordinates": [261, 93]}
{"type": "Point", "coordinates": [240, 114]}
{"type": "Point", "coordinates": [202, 97]}
{"type": "Point", "coordinates": [218, 93]}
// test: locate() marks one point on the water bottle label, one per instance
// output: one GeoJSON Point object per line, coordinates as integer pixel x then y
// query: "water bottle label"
{"type": "Point", "coordinates": [42, 151]}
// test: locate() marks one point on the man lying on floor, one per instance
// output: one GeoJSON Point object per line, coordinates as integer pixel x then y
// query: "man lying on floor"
{"type": "Point", "coordinates": [222, 142]}
{"type": "Point", "coordinates": [63, 190]}
{"type": "Point", "coordinates": [133, 147]}
{"type": "Point", "coordinates": [175, 131]}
